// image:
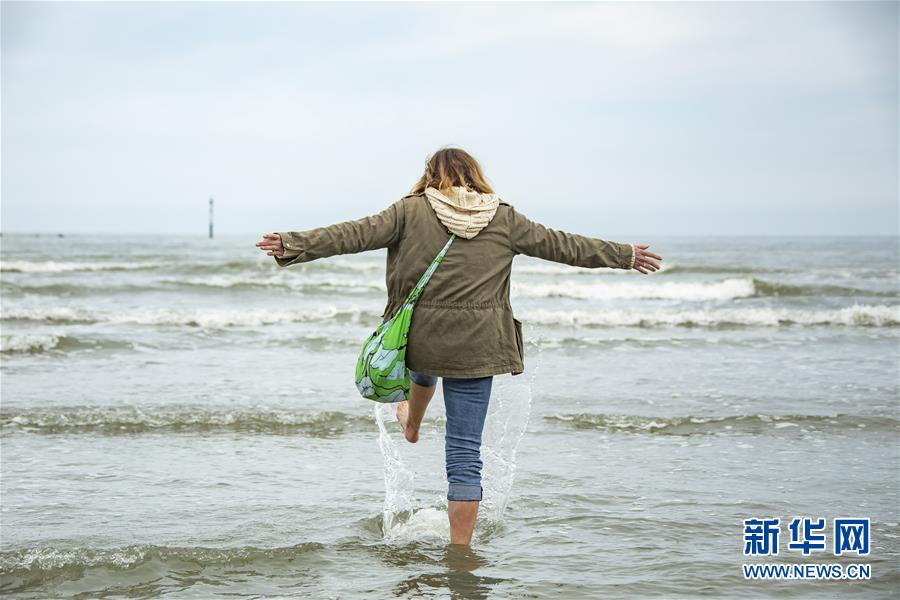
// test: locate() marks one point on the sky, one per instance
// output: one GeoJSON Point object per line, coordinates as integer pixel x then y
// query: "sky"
{"type": "Point", "coordinates": [605, 119]}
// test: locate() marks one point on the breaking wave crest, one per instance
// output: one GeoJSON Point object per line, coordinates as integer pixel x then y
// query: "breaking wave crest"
{"type": "Point", "coordinates": [851, 316]}
{"type": "Point", "coordinates": [174, 264]}
{"type": "Point", "coordinates": [727, 289]}
{"type": "Point", "coordinates": [52, 266]}
{"type": "Point", "coordinates": [192, 318]}
{"type": "Point", "coordinates": [41, 343]}
{"type": "Point", "coordinates": [326, 285]}
{"type": "Point", "coordinates": [180, 419]}
{"type": "Point", "coordinates": [858, 315]}
{"type": "Point", "coordinates": [601, 290]}
{"type": "Point", "coordinates": [61, 562]}
{"type": "Point", "coordinates": [597, 289]}
{"type": "Point", "coordinates": [694, 425]}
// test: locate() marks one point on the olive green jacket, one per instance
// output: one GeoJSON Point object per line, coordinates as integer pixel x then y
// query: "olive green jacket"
{"type": "Point", "coordinates": [463, 325]}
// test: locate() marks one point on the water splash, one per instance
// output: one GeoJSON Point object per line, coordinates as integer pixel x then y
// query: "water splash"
{"type": "Point", "coordinates": [507, 420]}
{"type": "Point", "coordinates": [399, 499]}
{"type": "Point", "coordinates": [406, 516]}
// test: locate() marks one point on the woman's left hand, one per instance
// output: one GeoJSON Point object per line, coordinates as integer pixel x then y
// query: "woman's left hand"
{"type": "Point", "coordinates": [272, 244]}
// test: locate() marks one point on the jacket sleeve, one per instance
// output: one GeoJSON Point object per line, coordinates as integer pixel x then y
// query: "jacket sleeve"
{"type": "Point", "coordinates": [380, 230]}
{"type": "Point", "coordinates": [533, 239]}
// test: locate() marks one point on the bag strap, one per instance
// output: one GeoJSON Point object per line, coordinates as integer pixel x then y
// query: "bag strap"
{"type": "Point", "coordinates": [413, 296]}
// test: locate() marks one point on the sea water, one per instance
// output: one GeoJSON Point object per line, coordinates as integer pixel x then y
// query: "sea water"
{"type": "Point", "coordinates": [179, 420]}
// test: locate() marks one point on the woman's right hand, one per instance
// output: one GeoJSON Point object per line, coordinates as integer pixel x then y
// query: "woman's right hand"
{"type": "Point", "coordinates": [272, 244]}
{"type": "Point", "coordinates": [642, 258]}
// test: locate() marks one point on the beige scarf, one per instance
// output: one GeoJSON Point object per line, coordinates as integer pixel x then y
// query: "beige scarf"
{"type": "Point", "coordinates": [463, 211]}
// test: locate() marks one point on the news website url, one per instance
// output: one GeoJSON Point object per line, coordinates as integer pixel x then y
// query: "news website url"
{"type": "Point", "coordinates": [807, 571]}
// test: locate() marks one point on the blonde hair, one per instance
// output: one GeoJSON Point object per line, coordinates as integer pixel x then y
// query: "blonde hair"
{"type": "Point", "coordinates": [449, 167]}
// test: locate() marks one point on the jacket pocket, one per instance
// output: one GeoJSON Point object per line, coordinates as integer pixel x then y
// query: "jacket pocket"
{"type": "Point", "coordinates": [519, 342]}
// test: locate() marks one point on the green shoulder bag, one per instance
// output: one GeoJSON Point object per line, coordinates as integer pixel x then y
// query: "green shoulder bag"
{"type": "Point", "coordinates": [381, 372]}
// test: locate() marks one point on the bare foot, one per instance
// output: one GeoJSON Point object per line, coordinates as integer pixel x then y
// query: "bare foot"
{"type": "Point", "coordinates": [411, 433]}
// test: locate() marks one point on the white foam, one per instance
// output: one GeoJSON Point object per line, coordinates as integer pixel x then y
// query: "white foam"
{"type": "Point", "coordinates": [215, 319]}
{"type": "Point", "coordinates": [28, 343]}
{"type": "Point", "coordinates": [880, 315]}
{"type": "Point", "coordinates": [46, 313]}
{"type": "Point", "coordinates": [423, 523]}
{"type": "Point", "coordinates": [856, 315]}
{"type": "Point", "coordinates": [288, 280]}
{"type": "Point", "coordinates": [204, 318]}
{"type": "Point", "coordinates": [667, 290]}
{"type": "Point", "coordinates": [52, 266]}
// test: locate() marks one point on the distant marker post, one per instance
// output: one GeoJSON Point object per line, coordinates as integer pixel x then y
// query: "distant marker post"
{"type": "Point", "coordinates": [210, 218]}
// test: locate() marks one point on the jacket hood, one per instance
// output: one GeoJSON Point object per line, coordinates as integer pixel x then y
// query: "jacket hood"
{"type": "Point", "coordinates": [463, 211]}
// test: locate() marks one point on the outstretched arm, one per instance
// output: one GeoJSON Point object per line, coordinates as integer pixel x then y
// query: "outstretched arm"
{"type": "Point", "coordinates": [348, 237]}
{"type": "Point", "coordinates": [533, 239]}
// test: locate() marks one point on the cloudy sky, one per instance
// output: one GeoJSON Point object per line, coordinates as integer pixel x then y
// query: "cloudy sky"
{"type": "Point", "coordinates": [606, 119]}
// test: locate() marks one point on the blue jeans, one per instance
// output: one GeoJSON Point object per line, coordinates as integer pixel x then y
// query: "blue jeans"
{"type": "Point", "coordinates": [466, 403]}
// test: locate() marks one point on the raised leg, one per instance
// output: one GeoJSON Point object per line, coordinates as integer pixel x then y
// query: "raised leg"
{"type": "Point", "coordinates": [410, 413]}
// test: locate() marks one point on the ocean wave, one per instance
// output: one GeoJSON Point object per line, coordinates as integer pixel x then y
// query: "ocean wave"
{"type": "Point", "coordinates": [669, 268]}
{"type": "Point", "coordinates": [312, 284]}
{"type": "Point", "coordinates": [231, 282]}
{"type": "Point", "coordinates": [825, 273]}
{"type": "Point", "coordinates": [327, 285]}
{"type": "Point", "coordinates": [668, 341]}
{"type": "Point", "coordinates": [727, 289]}
{"type": "Point", "coordinates": [48, 314]}
{"type": "Point", "coordinates": [744, 424]}
{"type": "Point", "coordinates": [52, 266]}
{"type": "Point", "coordinates": [28, 343]}
{"type": "Point", "coordinates": [181, 419]}
{"type": "Point", "coordinates": [326, 265]}
{"type": "Point", "coordinates": [769, 288]}
{"type": "Point", "coordinates": [207, 319]}
{"type": "Point", "coordinates": [716, 290]}
{"type": "Point", "coordinates": [676, 269]}
{"type": "Point", "coordinates": [851, 316]}
{"type": "Point", "coordinates": [41, 343]}
{"type": "Point", "coordinates": [216, 319]}
{"type": "Point", "coordinates": [48, 562]}
{"type": "Point", "coordinates": [665, 268]}
{"type": "Point", "coordinates": [182, 265]}
{"type": "Point", "coordinates": [65, 289]}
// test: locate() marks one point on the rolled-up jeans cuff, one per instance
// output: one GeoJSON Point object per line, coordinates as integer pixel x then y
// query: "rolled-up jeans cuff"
{"type": "Point", "coordinates": [461, 492]}
{"type": "Point", "coordinates": [421, 379]}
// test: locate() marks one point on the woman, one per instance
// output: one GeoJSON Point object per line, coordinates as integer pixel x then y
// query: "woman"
{"type": "Point", "coordinates": [463, 329]}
